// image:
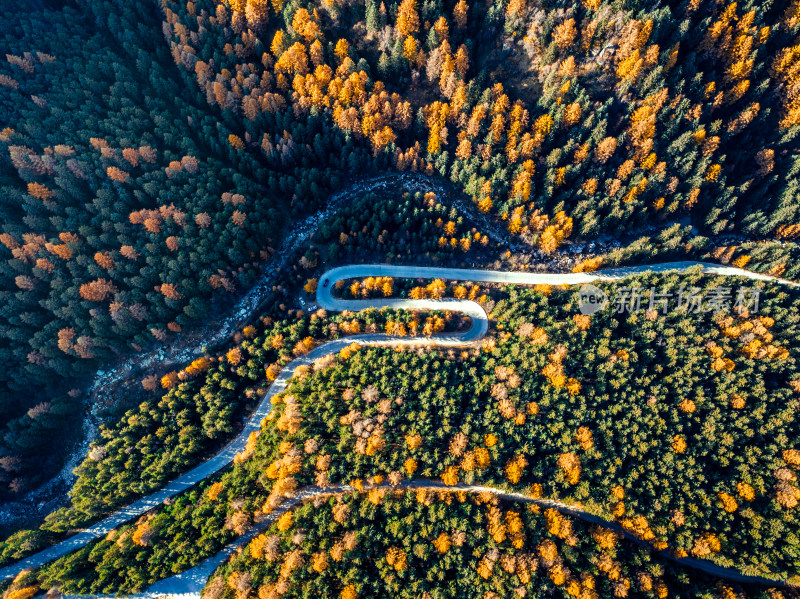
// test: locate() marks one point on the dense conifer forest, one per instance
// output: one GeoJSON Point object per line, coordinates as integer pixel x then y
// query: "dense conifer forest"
{"type": "Point", "coordinates": [504, 549]}
{"type": "Point", "coordinates": [156, 155]}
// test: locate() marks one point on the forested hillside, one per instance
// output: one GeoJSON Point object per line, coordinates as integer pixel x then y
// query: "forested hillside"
{"type": "Point", "coordinates": [154, 155]}
{"type": "Point", "coordinates": [133, 160]}
{"type": "Point", "coordinates": [676, 426]}
{"type": "Point", "coordinates": [125, 210]}
{"type": "Point", "coordinates": [447, 544]}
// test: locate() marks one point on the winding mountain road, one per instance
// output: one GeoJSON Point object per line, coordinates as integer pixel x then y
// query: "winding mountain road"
{"type": "Point", "coordinates": [326, 300]}
{"type": "Point", "coordinates": [104, 387]}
